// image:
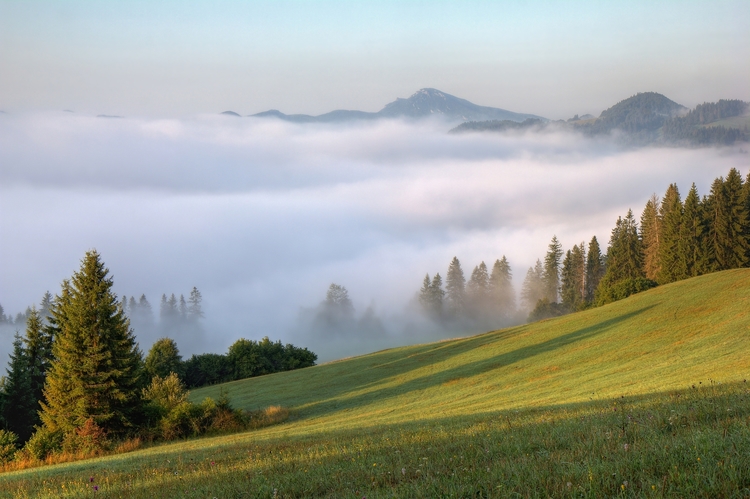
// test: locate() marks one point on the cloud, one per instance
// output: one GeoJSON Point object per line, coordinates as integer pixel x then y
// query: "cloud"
{"type": "Point", "coordinates": [263, 215]}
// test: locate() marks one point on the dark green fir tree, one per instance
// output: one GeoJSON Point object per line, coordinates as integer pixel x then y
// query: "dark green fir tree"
{"type": "Point", "coordinates": [18, 403]}
{"type": "Point", "coordinates": [96, 366]}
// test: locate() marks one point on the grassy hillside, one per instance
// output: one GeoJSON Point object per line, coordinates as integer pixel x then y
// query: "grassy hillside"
{"type": "Point", "coordinates": [598, 403]}
{"type": "Point", "coordinates": [740, 122]}
{"type": "Point", "coordinates": [673, 335]}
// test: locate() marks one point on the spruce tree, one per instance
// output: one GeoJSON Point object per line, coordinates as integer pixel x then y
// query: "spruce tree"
{"type": "Point", "coordinates": [437, 294]}
{"type": "Point", "coordinates": [96, 365]}
{"type": "Point", "coordinates": [501, 289]}
{"type": "Point", "coordinates": [573, 290]}
{"type": "Point", "coordinates": [651, 237]}
{"type": "Point", "coordinates": [738, 219]}
{"type": "Point", "coordinates": [671, 261]}
{"type": "Point", "coordinates": [727, 219]}
{"type": "Point", "coordinates": [551, 277]}
{"type": "Point", "coordinates": [431, 296]}
{"type": "Point", "coordinates": [455, 286]}
{"type": "Point", "coordinates": [19, 405]}
{"type": "Point", "coordinates": [38, 350]}
{"type": "Point", "coordinates": [533, 288]}
{"type": "Point", "coordinates": [46, 305]}
{"type": "Point", "coordinates": [424, 294]}
{"type": "Point", "coordinates": [692, 244]}
{"type": "Point", "coordinates": [624, 270]}
{"type": "Point", "coordinates": [594, 269]}
{"type": "Point", "coordinates": [195, 309]}
{"type": "Point", "coordinates": [478, 291]}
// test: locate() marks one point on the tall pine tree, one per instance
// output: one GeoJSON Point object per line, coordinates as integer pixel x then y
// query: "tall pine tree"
{"type": "Point", "coordinates": [671, 261]}
{"type": "Point", "coordinates": [38, 348]}
{"type": "Point", "coordinates": [18, 402]}
{"type": "Point", "coordinates": [594, 269]}
{"type": "Point", "coordinates": [551, 277]}
{"type": "Point", "coordinates": [651, 236]}
{"type": "Point", "coordinates": [96, 365]}
{"type": "Point", "coordinates": [501, 289]}
{"type": "Point", "coordinates": [692, 241]}
{"type": "Point", "coordinates": [455, 287]}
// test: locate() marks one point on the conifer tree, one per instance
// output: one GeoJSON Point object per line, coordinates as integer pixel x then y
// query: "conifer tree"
{"type": "Point", "coordinates": [573, 290]}
{"type": "Point", "coordinates": [624, 270]}
{"type": "Point", "coordinates": [478, 290]}
{"type": "Point", "coordinates": [671, 262]}
{"type": "Point", "coordinates": [195, 310]}
{"type": "Point", "coordinates": [431, 296]}
{"type": "Point", "coordinates": [46, 305]}
{"type": "Point", "coordinates": [424, 293]}
{"type": "Point", "coordinates": [19, 406]}
{"type": "Point", "coordinates": [651, 237]}
{"type": "Point", "coordinates": [132, 308]}
{"type": "Point", "coordinates": [38, 352]}
{"type": "Point", "coordinates": [437, 295]}
{"type": "Point", "coordinates": [533, 288]}
{"type": "Point", "coordinates": [501, 288]}
{"type": "Point", "coordinates": [727, 223]}
{"type": "Point", "coordinates": [96, 365]}
{"type": "Point", "coordinates": [551, 276]}
{"type": "Point", "coordinates": [594, 269]}
{"type": "Point", "coordinates": [183, 309]}
{"type": "Point", "coordinates": [455, 286]}
{"type": "Point", "coordinates": [692, 242]}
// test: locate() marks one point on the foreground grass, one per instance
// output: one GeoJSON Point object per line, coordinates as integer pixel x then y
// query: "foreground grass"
{"type": "Point", "coordinates": [691, 443]}
{"type": "Point", "coordinates": [598, 403]}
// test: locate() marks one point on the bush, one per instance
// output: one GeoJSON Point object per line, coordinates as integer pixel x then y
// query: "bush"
{"type": "Point", "coordinates": [88, 439]}
{"type": "Point", "coordinates": [8, 448]}
{"type": "Point", "coordinates": [43, 443]}
{"type": "Point", "coordinates": [623, 289]}
{"type": "Point", "coordinates": [545, 309]}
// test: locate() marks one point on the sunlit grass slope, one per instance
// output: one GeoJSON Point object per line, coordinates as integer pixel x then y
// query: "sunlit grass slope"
{"type": "Point", "coordinates": [595, 404]}
{"type": "Point", "coordinates": [669, 337]}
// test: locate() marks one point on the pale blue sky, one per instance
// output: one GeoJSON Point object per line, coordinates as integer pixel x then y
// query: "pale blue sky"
{"type": "Point", "coordinates": [549, 58]}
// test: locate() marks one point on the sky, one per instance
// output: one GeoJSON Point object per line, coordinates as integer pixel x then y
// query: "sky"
{"type": "Point", "coordinates": [178, 59]}
{"type": "Point", "coordinates": [261, 215]}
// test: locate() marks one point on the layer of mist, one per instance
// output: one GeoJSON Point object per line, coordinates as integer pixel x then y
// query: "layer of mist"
{"type": "Point", "coordinates": [262, 215]}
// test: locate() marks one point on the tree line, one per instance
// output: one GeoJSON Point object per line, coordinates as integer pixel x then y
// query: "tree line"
{"type": "Point", "coordinates": [487, 297]}
{"type": "Point", "coordinates": [77, 380]}
{"type": "Point", "coordinates": [675, 240]}
{"type": "Point", "coordinates": [244, 359]}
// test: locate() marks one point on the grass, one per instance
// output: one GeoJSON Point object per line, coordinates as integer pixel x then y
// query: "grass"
{"type": "Point", "coordinates": [742, 122]}
{"type": "Point", "coordinates": [598, 403]}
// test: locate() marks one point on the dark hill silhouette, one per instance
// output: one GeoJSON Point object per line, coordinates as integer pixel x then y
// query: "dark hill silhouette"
{"type": "Point", "coordinates": [424, 103]}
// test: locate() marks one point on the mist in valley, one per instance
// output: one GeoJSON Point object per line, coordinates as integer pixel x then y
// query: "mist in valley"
{"type": "Point", "coordinates": [262, 216]}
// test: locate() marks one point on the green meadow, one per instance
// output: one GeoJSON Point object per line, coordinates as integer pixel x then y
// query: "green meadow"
{"type": "Point", "coordinates": [645, 397]}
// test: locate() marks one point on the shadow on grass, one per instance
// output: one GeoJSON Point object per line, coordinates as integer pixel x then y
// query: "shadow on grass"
{"type": "Point", "coordinates": [337, 395]}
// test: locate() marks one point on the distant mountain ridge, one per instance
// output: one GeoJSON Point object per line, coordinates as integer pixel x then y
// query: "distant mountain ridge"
{"type": "Point", "coordinates": [424, 103]}
{"type": "Point", "coordinates": [647, 118]}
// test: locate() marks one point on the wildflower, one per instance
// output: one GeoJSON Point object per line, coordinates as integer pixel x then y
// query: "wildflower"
{"type": "Point", "coordinates": [569, 485]}
{"type": "Point", "coordinates": [403, 471]}
{"type": "Point", "coordinates": [626, 447]}
{"type": "Point", "coordinates": [91, 479]}
{"type": "Point", "coordinates": [96, 487]}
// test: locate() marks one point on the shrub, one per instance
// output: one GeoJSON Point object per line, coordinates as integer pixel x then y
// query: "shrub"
{"type": "Point", "coordinates": [8, 442]}
{"type": "Point", "coordinates": [545, 309]}
{"type": "Point", "coordinates": [43, 443]}
{"type": "Point", "coordinates": [623, 289]}
{"type": "Point", "coordinates": [87, 440]}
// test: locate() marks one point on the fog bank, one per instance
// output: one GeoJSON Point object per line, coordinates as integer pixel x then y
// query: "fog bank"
{"type": "Point", "coordinates": [262, 216]}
